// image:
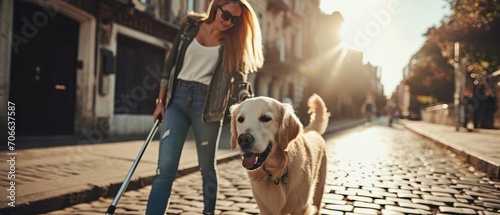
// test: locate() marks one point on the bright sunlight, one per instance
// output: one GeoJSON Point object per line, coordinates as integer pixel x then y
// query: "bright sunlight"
{"type": "Point", "coordinates": [388, 32]}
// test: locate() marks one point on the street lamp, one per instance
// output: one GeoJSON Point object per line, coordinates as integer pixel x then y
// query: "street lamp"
{"type": "Point", "coordinates": [459, 86]}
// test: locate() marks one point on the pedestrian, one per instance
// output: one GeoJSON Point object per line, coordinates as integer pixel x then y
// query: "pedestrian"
{"type": "Point", "coordinates": [480, 109]}
{"type": "Point", "coordinates": [390, 109]}
{"type": "Point", "coordinates": [210, 59]}
{"type": "Point", "coordinates": [368, 108]}
{"type": "Point", "coordinates": [397, 114]}
{"type": "Point", "coordinates": [491, 108]}
{"type": "Point", "coordinates": [468, 108]}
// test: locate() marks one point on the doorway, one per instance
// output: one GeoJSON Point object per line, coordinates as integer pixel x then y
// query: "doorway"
{"type": "Point", "coordinates": [43, 71]}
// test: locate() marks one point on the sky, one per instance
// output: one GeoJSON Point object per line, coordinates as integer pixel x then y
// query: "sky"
{"type": "Point", "coordinates": [388, 32]}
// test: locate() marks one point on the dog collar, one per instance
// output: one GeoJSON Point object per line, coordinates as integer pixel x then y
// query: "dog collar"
{"type": "Point", "coordinates": [262, 157]}
{"type": "Point", "coordinates": [284, 179]}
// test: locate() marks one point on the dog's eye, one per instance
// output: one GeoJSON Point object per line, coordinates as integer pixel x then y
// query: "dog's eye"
{"type": "Point", "coordinates": [265, 119]}
{"type": "Point", "coordinates": [241, 119]}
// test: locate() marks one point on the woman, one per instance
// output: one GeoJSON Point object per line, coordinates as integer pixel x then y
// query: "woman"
{"type": "Point", "coordinates": [209, 61]}
{"type": "Point", "coordinates": [368, 108]}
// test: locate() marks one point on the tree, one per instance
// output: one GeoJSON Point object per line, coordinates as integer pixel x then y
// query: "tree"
{"type": "Point", "coordinates": [433, 78]}
{"type": "Point", "coordinates": [475, 24]}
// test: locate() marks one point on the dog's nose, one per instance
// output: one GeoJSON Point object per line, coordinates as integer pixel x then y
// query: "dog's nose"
{"type": "Point", "coordinates": [244, 140]}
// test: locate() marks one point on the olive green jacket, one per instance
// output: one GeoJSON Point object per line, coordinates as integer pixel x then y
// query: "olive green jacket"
{"type": "Point", "coordinates": [222, 85]}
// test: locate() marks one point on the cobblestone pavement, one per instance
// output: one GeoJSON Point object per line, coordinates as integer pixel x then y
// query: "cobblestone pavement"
{"type": "Point", "coordinates": [373, 169]}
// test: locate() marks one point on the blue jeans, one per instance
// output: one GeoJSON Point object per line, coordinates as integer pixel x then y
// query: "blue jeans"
{"type": "Point", "coordinates": [185, 110]}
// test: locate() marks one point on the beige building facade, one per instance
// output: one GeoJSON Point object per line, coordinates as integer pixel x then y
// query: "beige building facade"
{"type": "Point", "coordinates": [92, 68]}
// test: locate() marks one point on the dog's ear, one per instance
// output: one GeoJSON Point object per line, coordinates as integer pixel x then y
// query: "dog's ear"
{"type": "Point", "coordinates": [290, 127]}
{"type": "Point", "coordinates": [234, 132]}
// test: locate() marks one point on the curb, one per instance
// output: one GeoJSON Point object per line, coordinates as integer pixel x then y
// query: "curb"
{"type": "Point", "coordinates": [491, 169]}
{"type": "Point", "coordinates": [94, 192]}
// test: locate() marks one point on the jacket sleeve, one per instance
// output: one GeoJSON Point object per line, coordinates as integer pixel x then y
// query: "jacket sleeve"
{"type": "Point", "coordinates": [242, 89]}
{"type": "Point", "coordinates": [171, 57]}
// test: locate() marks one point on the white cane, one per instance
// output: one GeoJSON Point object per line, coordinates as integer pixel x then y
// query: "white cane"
{"type": "Point", "coordinates": [112, 207]}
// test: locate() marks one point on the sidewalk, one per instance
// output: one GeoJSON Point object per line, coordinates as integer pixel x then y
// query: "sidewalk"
{"type": "Point", "coordinates": [480, 148]}
{"type": "Point", "coordinates": [51, 178]}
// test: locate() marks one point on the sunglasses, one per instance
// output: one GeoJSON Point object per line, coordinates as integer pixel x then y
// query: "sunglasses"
{"type": "Point", "coordinates": [226, 15]}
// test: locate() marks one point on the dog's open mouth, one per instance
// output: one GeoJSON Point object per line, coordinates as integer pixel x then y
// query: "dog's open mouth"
{"type": "Point", "coordinates": [253, 161]}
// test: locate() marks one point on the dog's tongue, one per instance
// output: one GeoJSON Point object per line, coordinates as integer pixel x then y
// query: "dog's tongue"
{"type": "Point", "coordinates": [249, 159]}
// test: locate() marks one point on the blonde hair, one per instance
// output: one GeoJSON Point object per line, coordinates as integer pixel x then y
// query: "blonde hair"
{"type": "Point", "coordinates": [243, 42]}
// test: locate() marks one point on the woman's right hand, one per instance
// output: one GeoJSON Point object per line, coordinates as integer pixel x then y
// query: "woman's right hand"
{"type": "Point", "coordinates": [159, 112]}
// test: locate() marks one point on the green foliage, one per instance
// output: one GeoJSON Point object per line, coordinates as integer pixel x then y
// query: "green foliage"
{"type": "Point", "coordinates": [475, 25]}
{"type": "Point", "coordinates": [432, 75]}
{"type": "Point", "coordinates": [427, 100]}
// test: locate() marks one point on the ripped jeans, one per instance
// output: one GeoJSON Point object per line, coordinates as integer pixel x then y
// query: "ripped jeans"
{"type": "Point", "coordinates": [185, 110]}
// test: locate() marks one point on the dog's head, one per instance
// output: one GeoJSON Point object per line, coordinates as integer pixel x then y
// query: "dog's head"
{"type": "Point", "coordinates": [260, 126]}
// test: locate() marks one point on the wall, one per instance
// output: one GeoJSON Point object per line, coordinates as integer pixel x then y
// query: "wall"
{"type": "Point", "coordinates": [439, 114]}
{"type": "Point", "coordinates": [6, 13]}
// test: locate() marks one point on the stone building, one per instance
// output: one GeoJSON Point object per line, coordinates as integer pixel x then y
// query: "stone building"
{"type": "Point", "coordinates": [79, 67]}
{"type": "Point", "coordinates": [93, 68]}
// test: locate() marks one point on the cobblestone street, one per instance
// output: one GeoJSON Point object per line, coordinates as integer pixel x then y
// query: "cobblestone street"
{"type": "Point", "coordinates": [373, 169]}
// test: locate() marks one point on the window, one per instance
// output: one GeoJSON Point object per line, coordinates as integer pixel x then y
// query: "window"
{"type": "Point", "coordinates": [138, 73]}
{"type": "Point", "coordinates": [179, 10]}
{"type": "Point", "coordinates": [150, 2]}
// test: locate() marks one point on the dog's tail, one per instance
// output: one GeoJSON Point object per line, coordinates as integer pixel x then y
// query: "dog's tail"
{"type": "Point", "coordinates": [319, 115]}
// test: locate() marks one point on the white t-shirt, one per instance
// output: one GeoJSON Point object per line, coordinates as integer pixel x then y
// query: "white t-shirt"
{"type": "Point", "coordinates": [199, 63]}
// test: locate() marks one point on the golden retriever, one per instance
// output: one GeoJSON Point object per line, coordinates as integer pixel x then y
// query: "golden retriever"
{"type": "Point", "coordinates": [285, 162]}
